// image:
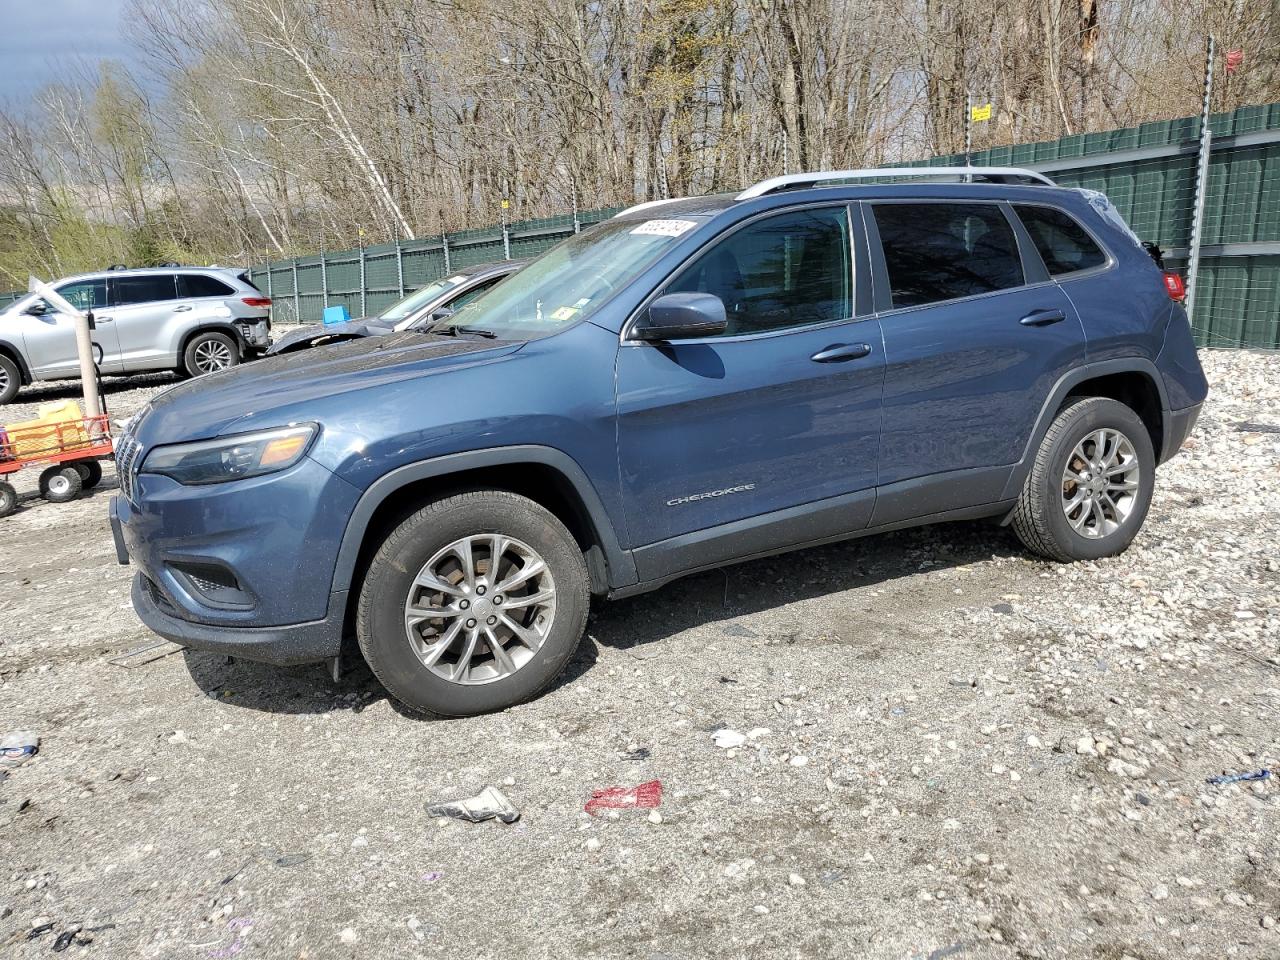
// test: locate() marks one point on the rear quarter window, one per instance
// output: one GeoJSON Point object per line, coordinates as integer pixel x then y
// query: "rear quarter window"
{"type": "Point", "coordinates": [192, 285]}
{"type": "Point", "coordinates": [1064, 245]}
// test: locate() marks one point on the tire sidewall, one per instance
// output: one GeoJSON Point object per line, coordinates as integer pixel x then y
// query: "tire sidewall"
{"type": "Point", "coordinates": [380, 620]}
{"type": "Point", "coordinates": [1095, 416]}
{"type": "Point", "coordinates": [15, 380]}
{"type": "Point", "coordinates": [189, 355]}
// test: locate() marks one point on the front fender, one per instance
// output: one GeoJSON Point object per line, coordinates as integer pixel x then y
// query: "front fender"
{"type": "Point", "coordinates": [621, 566]}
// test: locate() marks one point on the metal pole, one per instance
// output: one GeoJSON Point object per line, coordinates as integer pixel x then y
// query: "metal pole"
{"type": "Point", "coordinates": [444, 246]}
{"type": "Point", "coordinates": [573, 194]}
{"type": "Point", "coordinates": [786, 154]}
{"type": "Point", "coordinates": [364, 309]}
{"type": "Point", "coordinates": [297, 303]}
{"type": "Point", "coordinates": [269, 273]}
{"type": "Point", "coordinates": [968, 129]}
{"type": "Point", "coordinates": [506, 233]}
{"type": "Point", "coordinates": [399, 263]}
{"type": "Point", "coordinates": [324, 275]}
{"type": "Point", "coordinates": [1202, 179]}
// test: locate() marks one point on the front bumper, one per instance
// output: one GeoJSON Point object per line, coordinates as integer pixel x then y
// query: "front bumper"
{"type": "Point", "coordinates": [295, 643]}
{"type": "Point", "coordinates": [244, 567]}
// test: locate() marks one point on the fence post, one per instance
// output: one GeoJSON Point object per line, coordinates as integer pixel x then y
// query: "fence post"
{"type": "Point", "coordinates": [364, 297]}
{"type": "Point", "coordinates": [573, 194]}
{"type": "Point", "coordinates": [324, 275]}
{"type": "Point", "coordinates": [1202, 181]}
{"type": "Point", "coordinates": [444, 246]}
{"type": "Point", "coordinates": [269, 272]}
{"type": "Point", "coordinates": [297, 302]}
{"type": "Point", "coordinates": [506, 232]}
{"type": "Point", "coordinates": [399, 264]}
{"type": "Point", "coordinates": [968, 129]}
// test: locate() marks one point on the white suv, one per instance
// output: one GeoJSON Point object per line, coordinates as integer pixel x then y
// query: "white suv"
{"type": "Point", "coordinates": [190, 319]}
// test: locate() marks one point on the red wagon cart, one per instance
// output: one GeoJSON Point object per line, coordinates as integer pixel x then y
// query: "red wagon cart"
{"type": "Point", "coordinates": [72, 448]}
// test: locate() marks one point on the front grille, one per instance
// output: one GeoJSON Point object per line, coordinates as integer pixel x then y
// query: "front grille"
{"type": "Point", "coordinates": [128, 460]}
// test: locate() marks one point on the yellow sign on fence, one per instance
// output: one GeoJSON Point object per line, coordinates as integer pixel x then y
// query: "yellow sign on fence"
{"type": "Point", "coordinates": [979, 114]}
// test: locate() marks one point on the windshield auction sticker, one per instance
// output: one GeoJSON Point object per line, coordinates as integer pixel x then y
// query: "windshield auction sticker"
{"type": "Point", "coordinates": [664, 228]}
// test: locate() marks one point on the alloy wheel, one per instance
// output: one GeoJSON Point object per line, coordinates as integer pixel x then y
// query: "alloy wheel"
{"type": "Point", "coordinates": [212, 355]}
{"type": "Point", "coordinates": [1100, 484]}
{"type": "Point", "coordinates": [480, 609]}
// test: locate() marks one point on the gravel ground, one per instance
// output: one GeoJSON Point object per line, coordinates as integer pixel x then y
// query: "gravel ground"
{"type": "Point", "coordinates": [955, 750]}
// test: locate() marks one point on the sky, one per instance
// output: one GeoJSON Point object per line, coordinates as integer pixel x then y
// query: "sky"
{"type": "Point", "coordinates": [34, 34]}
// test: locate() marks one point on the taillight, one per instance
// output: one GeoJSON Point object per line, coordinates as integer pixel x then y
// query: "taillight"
{"type": "Point", "coordinates": [1174, 284]}
{"type": "Point", "coordinates": [256, 301]}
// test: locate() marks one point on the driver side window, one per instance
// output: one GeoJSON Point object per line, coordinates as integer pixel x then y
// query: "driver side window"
{"type": "Point", "coordinates": [85, 295]}
{"type": "Point", "coordinates": [788, 270]}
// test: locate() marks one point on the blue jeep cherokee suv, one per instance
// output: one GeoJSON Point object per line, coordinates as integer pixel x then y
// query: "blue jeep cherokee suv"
{"type": "Point", "coordinates": [689, 384]}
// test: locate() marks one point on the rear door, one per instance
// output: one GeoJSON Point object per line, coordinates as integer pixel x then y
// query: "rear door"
{"type": "Point", "coordinates": [975, 336]}
{"type": "Point", "coordinates": [719, 437]}
{"type": "Point", "coordinates": [141, 306]}
{"type": "Point", "coordinates": [50, 338]}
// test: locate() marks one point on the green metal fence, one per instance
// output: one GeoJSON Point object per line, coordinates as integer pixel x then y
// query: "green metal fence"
{"type": "Point", "coordinates": [1148, 171]}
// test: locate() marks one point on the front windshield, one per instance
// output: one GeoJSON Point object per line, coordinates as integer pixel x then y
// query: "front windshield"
{"type": "Point", "coordinates": [418, 299]}
{"type": "Point", "coordinates": [569, 282]}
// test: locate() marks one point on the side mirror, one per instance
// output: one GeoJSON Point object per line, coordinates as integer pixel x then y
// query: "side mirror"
{"type": "Point", "coordinates": [443, 313]}
{"type": "Point", "coordinates": [37, 309]}
{"type": "Point", "coordinates": [681, 316]}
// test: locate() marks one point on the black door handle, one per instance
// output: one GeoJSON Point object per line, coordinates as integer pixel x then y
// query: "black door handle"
{"type": "Point", "coordinates": [1042, 318]}
{"type": "Point", "coordinates": [839, 352]}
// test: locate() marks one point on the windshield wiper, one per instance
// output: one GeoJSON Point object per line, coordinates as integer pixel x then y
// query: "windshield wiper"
{"type": "Point", "coordinates": [474, 331]}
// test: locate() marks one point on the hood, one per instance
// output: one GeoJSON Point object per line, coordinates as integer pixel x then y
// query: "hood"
{"type": "Point", "coordinates": [215, 403]}
{"type": "Point", "coordinates": [364, 327]}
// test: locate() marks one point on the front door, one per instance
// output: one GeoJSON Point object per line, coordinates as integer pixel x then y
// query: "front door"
{"type": "Point", "coordinates": [975, 337]}
{"type": "Point", "coordinates": [141, 304]}
{"type": "Point", "coordinates": [765, 436]}
{"type": "Point", "coordinates": [50, 337]}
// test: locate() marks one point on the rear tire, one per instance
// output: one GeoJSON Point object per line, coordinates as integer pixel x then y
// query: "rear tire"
{"type": "Point", "coordinates": [209, 353]}
{"type": "Point", "coordinates": [1090, 485]}
{"type": "Point", "coordinates": [447, 665]}
{"type": "Point", "coordinates": [8, 499]}
{"type": "Point", "coordinates": [60, 484]}
{"type": "Point", "coordinates": [90, 473]}
{"type": "Point", "coordinates": [10, 379]}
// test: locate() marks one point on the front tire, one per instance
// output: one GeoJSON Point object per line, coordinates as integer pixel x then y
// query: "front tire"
{"type": "Point", "coordinates": [90, 473]}
{"type": "Point", "coordinates": [8, 498]}
{"type": "Point", "coordinates": [1090, 485]}
{"type": "Point", "coordinates": [10, 379]}
{"type": "Point", "coordinates": [209, 353]}
{"type": "Point", "coordinates": [447, 629]}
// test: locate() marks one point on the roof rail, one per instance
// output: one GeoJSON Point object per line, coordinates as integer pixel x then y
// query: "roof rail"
{"type": "Point", "coordinates": [969, 174]}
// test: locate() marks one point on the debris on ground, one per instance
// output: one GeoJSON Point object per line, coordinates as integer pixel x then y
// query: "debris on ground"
{"type": "Point", "coordinates": [147, 653]}
{"type": "Point", "coordinates": [728, 739]}
{"type": "Point", "coordinates": [486, 805]}
{"type": "Point", "coordinates": [17, 748]}
{"type": "Point", "coordinates": [645, 796]}
{"type": "Point", "coordinates": [1239, 777]}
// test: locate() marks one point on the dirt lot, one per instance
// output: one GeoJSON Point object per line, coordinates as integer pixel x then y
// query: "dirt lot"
{"type": "Point", "coordinates": [968, 752]}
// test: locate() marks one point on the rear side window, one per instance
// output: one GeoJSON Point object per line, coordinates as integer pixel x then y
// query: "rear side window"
{"type": "Point", "coordinates": [145, 289]}
{"type": "Point", "coordinates": [1064, 245]}
{"type": "Point", "coordinates": [462, 299]}
{"type": "Point", "coordinates": [943, 251]}
{"type": "Point", "coordinates": [191, 285]}
{"type": "Point", "coordinates": [790, 270]}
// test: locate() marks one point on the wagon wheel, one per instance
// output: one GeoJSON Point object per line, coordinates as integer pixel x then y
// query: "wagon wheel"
{"type": "Point", "coordinates": [8, 499]}
{"type": "Point", "coordinates": [60, 484]}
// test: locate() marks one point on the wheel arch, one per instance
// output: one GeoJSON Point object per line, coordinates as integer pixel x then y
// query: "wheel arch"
{"type": "Point", "coordinates": [1134, 381]}
{"type": "Point", "coordinates": [545, 475]}
{"type": "Point", "coordinates": [209, 327]}
{"type": "Point", "coordinates": [13, 353]}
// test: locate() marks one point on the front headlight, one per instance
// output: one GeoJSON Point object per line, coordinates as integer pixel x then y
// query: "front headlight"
{"type": "Point", "coordinates": [232, 458]}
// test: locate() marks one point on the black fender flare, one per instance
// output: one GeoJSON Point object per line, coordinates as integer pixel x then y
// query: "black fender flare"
{"type": "Point", "coordinates": [1066, 383]}
{"type": "Point", "coordinates": [620, 564]}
